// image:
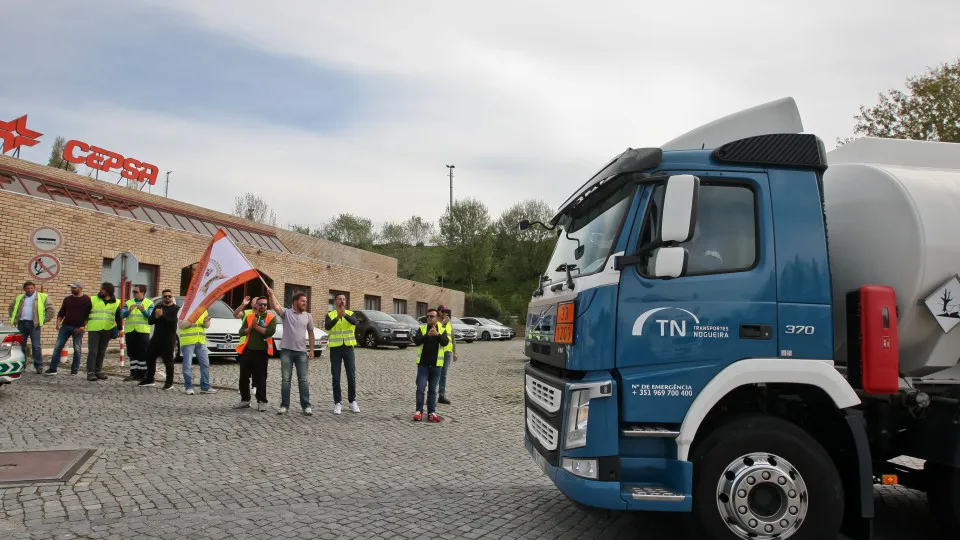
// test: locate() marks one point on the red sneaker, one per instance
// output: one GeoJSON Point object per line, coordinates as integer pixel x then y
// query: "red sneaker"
{"type": "Point", "coordinates": [433, 417]}
{"type": "Point", "coordinates": [418, 416]}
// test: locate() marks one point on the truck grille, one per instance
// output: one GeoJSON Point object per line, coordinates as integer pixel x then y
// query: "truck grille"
{"type": "Point", "coordinates": [543, 431]}
{"type": "Point", "coordinates": [544, 395]}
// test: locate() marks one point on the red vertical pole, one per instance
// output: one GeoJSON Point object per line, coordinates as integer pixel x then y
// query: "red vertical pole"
{"type": "Point", "coordinates": [123, 300]}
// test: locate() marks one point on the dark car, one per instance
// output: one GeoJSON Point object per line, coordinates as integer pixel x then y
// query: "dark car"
{"type": "Point", "coordinates": [377, 328]}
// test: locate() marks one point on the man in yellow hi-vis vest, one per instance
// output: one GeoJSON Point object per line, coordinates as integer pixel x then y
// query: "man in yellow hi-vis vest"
{"type": "Point", "coordinates": [432, 339]}
{"type": "Point", "coordinates": [193, 342]}
{"type": "Point", "coordinates": [28, 312]}
{"type": "Point", "coordinates": [104, 319]}
{"type": "Point", "coordinates": [137, 313]}
{"type": "Point", "coordinates": [342, 326]}
{"type": "Point", "coordinates": [449, 352]}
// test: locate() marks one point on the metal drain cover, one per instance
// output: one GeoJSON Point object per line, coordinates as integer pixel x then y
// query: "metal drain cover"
{"type": "Point", "coordinates": [41, 465]}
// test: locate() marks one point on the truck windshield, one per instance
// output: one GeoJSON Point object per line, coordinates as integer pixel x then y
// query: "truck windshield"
{"type": "Point", "coordinates": [596, 231]}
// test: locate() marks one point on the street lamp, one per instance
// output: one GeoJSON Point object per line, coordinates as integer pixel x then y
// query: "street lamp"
{"type": "Point", "coordinates": [450, 168]}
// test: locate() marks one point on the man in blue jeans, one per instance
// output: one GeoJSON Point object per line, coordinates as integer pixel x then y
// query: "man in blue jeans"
{"type": "Point", "coordinates": [449, 352]}
{"type": "Point", "coordinates": [431, 338]}
{"type": "Point", "coordinates": [28, 312]}
{"type": "Point", "coordinates": [297, 326]}
{"type": "Point", "coordinates": [71, 322]}
{"type": "Point", "coordinates": [193, 341]}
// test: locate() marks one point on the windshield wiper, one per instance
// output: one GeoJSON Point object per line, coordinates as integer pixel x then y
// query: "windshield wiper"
{"type": "Point", "coordinates": [568, 267]}
{"type": "Point", "coordinates": [539, 290]}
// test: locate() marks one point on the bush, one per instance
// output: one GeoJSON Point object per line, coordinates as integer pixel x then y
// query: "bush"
{"type": "Point", "coordinates": [482, 305]}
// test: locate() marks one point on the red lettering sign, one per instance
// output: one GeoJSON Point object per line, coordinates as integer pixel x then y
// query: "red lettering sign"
{"type": "Point", "coordinates": [95, 157]}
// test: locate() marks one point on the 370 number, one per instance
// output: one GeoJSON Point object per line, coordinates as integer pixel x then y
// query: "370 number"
{"type": "Point", "coordinates": [799, 329]}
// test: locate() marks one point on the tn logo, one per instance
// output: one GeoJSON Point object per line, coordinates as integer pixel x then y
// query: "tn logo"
{"type": "Point", "coordinates": [668, 326]}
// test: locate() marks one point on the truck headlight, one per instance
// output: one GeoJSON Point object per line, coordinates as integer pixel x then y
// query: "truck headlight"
{"type": "Point", "coordinates": [578, 413]}
{"type": "Point", "coordinates": [578, 410]}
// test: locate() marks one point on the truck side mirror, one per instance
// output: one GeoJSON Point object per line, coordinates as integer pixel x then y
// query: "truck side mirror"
{"type": "Point", "coordinates": [679, 217]}
{"type": "Point", "coordinates": [669, 262]}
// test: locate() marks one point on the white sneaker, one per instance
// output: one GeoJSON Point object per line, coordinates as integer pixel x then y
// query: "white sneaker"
{"type": "Point", "coordinates": [210, 391]}
{"type": "Point", "coordinates": [337, 408]}
{"type": "Point", "coordinates": [283, 410]}
{"type": "Point", "coordinates": [354, 407]}
{"type": "Point", "coordinates": [190, 392]}
{"type": "Point", "coordinates": [308, 411]}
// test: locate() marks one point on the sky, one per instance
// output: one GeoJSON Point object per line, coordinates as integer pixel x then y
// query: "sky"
{"type": "Point", "coordinates": [323, 107]}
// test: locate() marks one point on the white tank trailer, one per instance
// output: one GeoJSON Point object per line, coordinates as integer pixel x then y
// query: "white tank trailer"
{"type": "Point", "coordinates": [893, 218]}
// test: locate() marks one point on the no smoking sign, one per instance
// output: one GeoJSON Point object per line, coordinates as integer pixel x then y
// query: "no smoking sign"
{"type": "Point", "coordinates": [44, 267]}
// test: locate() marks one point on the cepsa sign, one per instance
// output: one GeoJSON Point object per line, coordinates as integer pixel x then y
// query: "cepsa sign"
{"type": "Point", "coordinates": [95, 157]}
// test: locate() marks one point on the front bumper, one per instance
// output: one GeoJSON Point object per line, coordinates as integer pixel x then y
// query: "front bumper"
{"type": "Point", "coordinates": [394, 339]}
{"type": "Point", "coordinates": [592, 493]}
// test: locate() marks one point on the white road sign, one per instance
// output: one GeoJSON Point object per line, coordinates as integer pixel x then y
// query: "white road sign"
{"type": "Point", "coordinates": [46, 239]}
{"type": "Point", "coordinates": [44, 267]}
{"type": "Point", "coordinates": [117, 267]}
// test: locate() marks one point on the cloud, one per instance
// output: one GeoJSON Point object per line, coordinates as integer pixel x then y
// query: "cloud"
{"type": "Point", "coordinates": [328, 107]}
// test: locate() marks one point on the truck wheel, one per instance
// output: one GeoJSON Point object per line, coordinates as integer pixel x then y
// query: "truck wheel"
{"type": "Point", "coordinates": [943, 494]}
{"type": "Point", "coordinates": [763, 477]}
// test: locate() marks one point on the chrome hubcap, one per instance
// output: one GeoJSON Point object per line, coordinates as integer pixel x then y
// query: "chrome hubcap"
{"type": "Point", "coordinates": [762, 496]}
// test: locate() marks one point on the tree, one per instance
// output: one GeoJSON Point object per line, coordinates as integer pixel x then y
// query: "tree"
{"type": "Point", "coordinates": [253, 207]}
{"type": "Point", "coordinates": [394, 234]}
{"type": "Point", "coordinates": [928, 111]}
{"type": "Point", "coordinates": [349, 230]}
{"type": "Point", "coordinates": [56, 156]}
{"type": "Point", "coordinates": [302, 229]}
{"type": "Point", "coordinates": [465, 232]}
{"type": "Point", "coordinates": [522, 255]}
{"type": "Point", "coordinates": [419, 231]}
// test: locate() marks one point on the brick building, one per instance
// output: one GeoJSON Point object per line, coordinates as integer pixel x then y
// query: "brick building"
{"type": "Point", "coordinates": [98, 220]}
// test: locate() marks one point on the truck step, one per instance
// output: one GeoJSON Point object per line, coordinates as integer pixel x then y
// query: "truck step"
{"type": "Point", "coordinates": [650, 431]}
{"type": "Point", "coordinates": [655, 493]}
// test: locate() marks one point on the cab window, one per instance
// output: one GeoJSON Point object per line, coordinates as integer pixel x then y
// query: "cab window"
{"type": "Point", "coordinates": [726, 237]}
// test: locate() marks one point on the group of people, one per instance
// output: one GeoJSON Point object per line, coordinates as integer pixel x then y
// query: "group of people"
{"type": "Point", "coordinates": [101, 318]}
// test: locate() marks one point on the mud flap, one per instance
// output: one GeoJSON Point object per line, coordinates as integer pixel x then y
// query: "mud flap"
{"type": "Point", "coordinates": [857, 473]}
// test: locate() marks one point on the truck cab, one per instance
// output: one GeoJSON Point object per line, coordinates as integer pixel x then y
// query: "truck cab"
{"type": "Point", "coordinates": [681, 340]}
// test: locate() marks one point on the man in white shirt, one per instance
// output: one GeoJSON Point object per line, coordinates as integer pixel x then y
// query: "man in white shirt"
{"type": "Point", "coordinates": [297, 326]}
{"type": "Point", "coordinates": [29, 312]}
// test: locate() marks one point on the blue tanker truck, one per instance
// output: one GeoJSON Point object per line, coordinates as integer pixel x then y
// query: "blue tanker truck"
{"type": "Point", "coordinates": [741, 326]}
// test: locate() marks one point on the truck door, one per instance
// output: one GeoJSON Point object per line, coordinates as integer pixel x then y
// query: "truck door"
{"type": "Point", "coordinates": [674, 335]}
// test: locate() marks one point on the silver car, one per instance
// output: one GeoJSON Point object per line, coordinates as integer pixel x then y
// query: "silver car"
{"type": "Point", "coordinates": [12, 361]}
{"type": "Point", "coordinates": [486, 329]}
{"type": "Point", "coordinates": [461, 331]}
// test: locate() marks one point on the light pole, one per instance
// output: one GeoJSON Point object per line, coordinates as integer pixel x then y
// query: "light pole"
{"type": "Point", "coordinates": [166, 187]}
{"type": "Point", "coordinates": [450, 168]}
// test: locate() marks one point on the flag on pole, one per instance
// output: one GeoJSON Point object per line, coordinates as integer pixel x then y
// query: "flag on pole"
{"type": "Point", "coordinates": [222, 267]}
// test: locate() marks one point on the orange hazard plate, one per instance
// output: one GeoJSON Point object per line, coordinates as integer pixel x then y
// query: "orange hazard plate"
{"type": "Point", "coordinates": [564, 333]}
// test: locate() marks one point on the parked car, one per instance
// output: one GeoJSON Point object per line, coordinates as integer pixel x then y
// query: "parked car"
{"type": "Point", "coordinates": [511, 333]}
{"type": "Point", "coordinates": [377, 328]}
{"type": "Point", "coordinates": [223, 336]}
{"type": "Point", "coordinates": [12, 361]}
{"type": "Point", "coordinates": [461, 331]}
{"type": "Point", "coordinates": [487, 329]}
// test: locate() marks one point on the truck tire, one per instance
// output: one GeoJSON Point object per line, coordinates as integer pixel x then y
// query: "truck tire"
{"type": "Point", "coordinates": [943, 495]}
{"type": "Point", "coordinates": [762, 477]}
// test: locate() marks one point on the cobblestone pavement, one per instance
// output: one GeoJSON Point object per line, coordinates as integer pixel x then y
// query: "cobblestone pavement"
{"type": "Point", "coordinates": [177, 466]}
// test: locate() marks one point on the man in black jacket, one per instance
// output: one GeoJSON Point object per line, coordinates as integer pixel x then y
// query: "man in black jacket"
{"type": "Point", "coordinates": [431, 338]}
{"type": "Point", "coordinates": [164, 321]}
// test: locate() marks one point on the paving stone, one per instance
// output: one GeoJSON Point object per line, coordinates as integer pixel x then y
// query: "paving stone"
{"type": "Point", "coordinates": [176, 466]}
